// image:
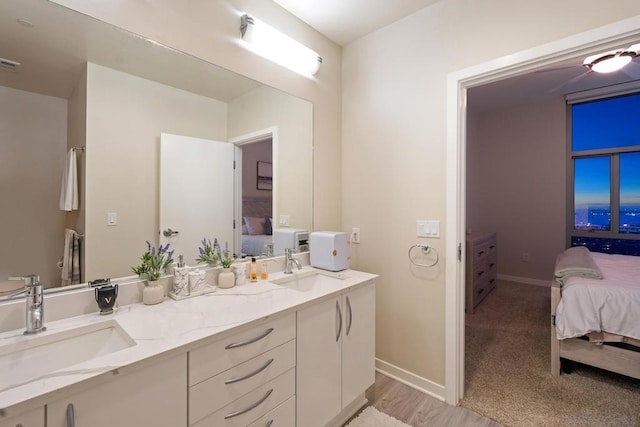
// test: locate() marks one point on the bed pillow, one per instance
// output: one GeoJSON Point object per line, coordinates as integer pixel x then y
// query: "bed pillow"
{"type": "Point", "coordinates": [268, 225]}
{"type": "Point", "coordinates": [255, 226]}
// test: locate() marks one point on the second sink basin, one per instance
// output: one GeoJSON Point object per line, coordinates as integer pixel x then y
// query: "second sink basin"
{"type": "Point", "coordinates": [306, 281]}
{"type": "Point", "coordinates": [32, 357]}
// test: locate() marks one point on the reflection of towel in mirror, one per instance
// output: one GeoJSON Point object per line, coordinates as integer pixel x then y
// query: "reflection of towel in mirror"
{"type": "Point", "coordinates": [576, 261]}
{"type": "Point", "coordinates": [71, 258]}
{"type": "Point", "coordinates": [69, 186]}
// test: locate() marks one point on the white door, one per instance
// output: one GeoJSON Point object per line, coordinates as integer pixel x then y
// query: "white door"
{"type": "Point", "coordinates": [196, 193]}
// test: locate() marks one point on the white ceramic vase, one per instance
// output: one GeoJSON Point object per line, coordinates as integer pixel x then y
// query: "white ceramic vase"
{"type": "Point", "coordinates": [153, 293]}
{"type": "Point", "coordinates": [226, 278]}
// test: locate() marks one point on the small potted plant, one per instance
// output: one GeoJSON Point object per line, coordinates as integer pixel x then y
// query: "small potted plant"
{"type": "Point", "coordinates": [226, 278]}
{"type": "Point", "coordinates": [153, 265]}
{"type": "Point", "coordinates": [208, 253]}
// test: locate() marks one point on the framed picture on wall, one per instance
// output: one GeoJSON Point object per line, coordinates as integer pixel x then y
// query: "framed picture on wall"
{"type": "Point", "coordinates": [265, 176]}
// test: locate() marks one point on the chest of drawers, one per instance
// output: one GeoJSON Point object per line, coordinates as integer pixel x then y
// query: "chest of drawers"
{"type": "Point", "coordinates": [481, 268]}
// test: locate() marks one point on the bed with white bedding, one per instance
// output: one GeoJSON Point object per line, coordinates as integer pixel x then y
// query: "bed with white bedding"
{"type": "Point", "coordinates": [589, 314]}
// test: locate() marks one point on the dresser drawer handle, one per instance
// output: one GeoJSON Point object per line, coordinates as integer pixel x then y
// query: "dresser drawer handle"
{"type": "Point", "coordinates": [492, 247]}
{"type": "Point", "coordinates": [250, 374]}
{"type": "Point", "coordinates": [480, 273]}
{"type": "Point", "coordinates": [249, 341]}
{"type": "Point", "coordinates": [480, 253]}
{"type": "Point", "coordinates": [249, 408]}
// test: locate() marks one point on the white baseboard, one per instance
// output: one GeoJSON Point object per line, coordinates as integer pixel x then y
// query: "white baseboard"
{"type": "Point", "coordinates": [527, 280]}
{"type": "Point", "coordinates": [412, 380]}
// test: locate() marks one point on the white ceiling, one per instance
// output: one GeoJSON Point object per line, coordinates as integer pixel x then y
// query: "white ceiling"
{"type": "Point", "coordinates": [344, 21]}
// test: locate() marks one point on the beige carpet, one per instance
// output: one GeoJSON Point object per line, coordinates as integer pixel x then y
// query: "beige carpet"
{"type": "Point", "coordinates": [508, 374]}
{"type": "Point", "coordinates": [371, 417]}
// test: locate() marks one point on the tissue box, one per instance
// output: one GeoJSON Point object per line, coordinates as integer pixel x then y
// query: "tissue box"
{"type": "Point", "coordinates": [329, 250]}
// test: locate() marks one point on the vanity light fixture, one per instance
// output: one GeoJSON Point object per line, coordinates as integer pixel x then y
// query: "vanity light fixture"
{"type": "Point", "coordinates": [611, 61]}
{"type": "Point", "coordinates": [270, 43]}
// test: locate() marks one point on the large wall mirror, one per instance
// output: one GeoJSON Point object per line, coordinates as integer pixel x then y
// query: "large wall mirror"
{"type": "Point", "coordinates": [68, 80]}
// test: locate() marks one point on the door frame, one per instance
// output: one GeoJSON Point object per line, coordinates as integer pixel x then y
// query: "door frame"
{"type": "Point", "coordinates": [604, 38]}
{"type": "Point", "coordinates": [238, 141]}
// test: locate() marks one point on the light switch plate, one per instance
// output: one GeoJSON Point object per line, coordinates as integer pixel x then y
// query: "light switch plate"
{"type": "Point", "coordinates": [112, 218]}
{"type": "Point", "coordinates": [426, 228]}
{"type": "Point", "coordinates": [285, 220]}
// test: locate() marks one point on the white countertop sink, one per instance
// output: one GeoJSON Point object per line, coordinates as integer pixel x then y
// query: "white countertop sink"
{"type": "Point", "coordinates": [26, 358]}
{"type": "Point", "coordinates": [305, 281]}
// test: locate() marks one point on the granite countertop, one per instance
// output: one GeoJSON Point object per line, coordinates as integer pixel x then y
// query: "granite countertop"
{"type": "Point", "coordinates": [171, 327]}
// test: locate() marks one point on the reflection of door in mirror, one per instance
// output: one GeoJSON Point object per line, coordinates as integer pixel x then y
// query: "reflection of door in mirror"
{"type": "Point", "coordinates": [257, 200]}
{"type": "Point", "coordinates": [196, 179]}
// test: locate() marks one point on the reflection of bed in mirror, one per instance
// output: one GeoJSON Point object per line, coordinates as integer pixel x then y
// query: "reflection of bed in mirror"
{"type": "Point", "coordinates": [595, 312]}
{"type": "Point", "coordinates": [256, 225]}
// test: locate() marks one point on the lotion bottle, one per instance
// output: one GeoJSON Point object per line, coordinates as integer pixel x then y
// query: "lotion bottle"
{"type": "Point", "coordinates": [253, 272]}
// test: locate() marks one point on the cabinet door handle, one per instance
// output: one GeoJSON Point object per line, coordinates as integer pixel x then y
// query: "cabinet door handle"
{"type": "Point", "coordinates": [339, 311]}
{"type": "Point", "coordinates": [249, 341]}
{"type": "Point", "coordinates": [250, 374]}
{"type": "Point", "coordinates": [71, 417]}
{"type": "Point", "coordinates": [350, 314]}
{"type": "Point", "coordinates": [250, 407]}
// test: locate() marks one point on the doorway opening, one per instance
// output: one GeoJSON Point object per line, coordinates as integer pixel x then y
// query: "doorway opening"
{"type": "Point", "coordinates": [600, 39]}
{"type": "Point", "coordinates": [254, 187]}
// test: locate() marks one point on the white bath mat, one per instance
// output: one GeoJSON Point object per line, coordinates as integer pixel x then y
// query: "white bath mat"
{"type": "Point", "coordinates": [371, 417]}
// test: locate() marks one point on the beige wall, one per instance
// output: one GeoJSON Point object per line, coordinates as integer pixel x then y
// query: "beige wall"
{"type": "Point", "coordinates": [33, 148]}
{"type": "Point", "coordinates": [265, 107]}
{"type": "Point", "coordinates": [393, 147]}
{"type": "Point", "coordinates": [210, 30]}
{"type": "Point", "coordinates": [516, 184]}
{"type": "Point", "coordinates": [122, 173]}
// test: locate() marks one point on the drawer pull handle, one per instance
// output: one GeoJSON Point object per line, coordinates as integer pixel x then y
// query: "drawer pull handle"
{"type": "Point", "coordinates": [339, 312]}
{"type": "Point", "coordinates": [492, 246]}
{"type": "Point", "coordinates": [481, 291]}
{"type": "Point", "coordinates": [350, 318]}
{"type": "Point", "coordinates": [480, 253]}
{"type": "Point", "coordinates": [491, 265]}
{"type": "Point", "coordinates": [269, 423]}
{"type": "Point", "coordinates": [71, 417]}
{"type": "Point", "coordinates": [480, 273]}
{"type": "Point", "coordinates": [492, 280]}
{"type": "Point", "coordinates": [249, 408]}
{"type": "Point", "coordinates": [250, 374]}
{"type": "Point", "coordinates": [249, 341]}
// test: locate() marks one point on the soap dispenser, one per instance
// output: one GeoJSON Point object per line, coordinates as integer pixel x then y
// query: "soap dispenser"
{"type": "Point", "coordinates": [180, 278]}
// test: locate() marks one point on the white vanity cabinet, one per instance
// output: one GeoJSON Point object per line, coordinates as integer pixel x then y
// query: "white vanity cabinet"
{"type": "Point", "coordinates": [150, 396]}
{"type": "Point", "coordinates": [336, 355]}
{"type": "Point", "coordinates": [32, 418]}
{"type": "Point", "coordinates": [235, 381]}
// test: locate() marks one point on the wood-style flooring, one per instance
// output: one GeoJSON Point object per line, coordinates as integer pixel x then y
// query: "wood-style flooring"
{"type": "Point", "coordinates": [418, 409]}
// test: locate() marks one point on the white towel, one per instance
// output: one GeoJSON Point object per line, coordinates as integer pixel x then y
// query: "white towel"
{"type": "Point", "coordinates": [71, 258]}
{"type": "Point", "coordinates": [69, 187]}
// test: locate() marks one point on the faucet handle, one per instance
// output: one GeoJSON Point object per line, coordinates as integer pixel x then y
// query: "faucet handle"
{"type": "Point", "coordinates": [29, 279]}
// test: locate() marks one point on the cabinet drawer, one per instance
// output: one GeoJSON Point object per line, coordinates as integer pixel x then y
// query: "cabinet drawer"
{"type": "Point", "coordinates": [253, 405]}
{"type": "Point", "coordinates": [33, 418]}
{"type": "Point", "coordinates": [483, 286]}
{"type": "Point", "coordinates": [484, 270]}
{"type": "Point", "coordinates": [282, 416]}
{"type": "Point", "coordinates": [211, 359]}
{"type": "Point", "coordinates": [484, 250]}
{"type": "Point", "coordinates": [208, 396]}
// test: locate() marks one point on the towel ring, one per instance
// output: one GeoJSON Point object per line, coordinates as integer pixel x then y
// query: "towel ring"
{"type": "Point", "coordinates": [425, 249]}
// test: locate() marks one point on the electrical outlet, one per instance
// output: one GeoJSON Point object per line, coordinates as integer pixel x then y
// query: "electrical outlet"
{"type": "Point", "coordinates": [355, 235]}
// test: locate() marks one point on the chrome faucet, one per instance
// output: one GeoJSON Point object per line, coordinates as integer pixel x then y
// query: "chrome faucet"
{"type": "Point", "coordinates": [34, 292]}
{"type": "Point", "coordinates": [289, 260]}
